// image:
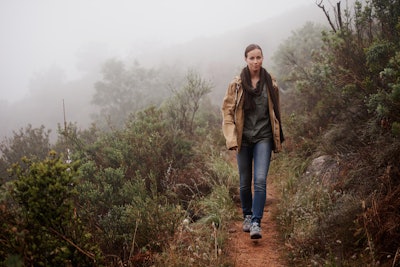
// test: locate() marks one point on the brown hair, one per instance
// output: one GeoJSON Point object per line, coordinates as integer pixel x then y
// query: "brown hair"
{"type": "Point", "coordinates": [251, 47]}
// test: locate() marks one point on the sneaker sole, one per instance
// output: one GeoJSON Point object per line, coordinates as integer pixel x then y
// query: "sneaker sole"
{"type": "Point", "coordinates": [255, 236]}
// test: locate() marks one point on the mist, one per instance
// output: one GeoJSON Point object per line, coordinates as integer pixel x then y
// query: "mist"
{"type": "Point", "coordinates": [53, 51]}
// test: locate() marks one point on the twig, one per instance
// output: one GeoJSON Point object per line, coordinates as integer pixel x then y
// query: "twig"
{"type": "Point", "coordinates": [133, 242]}
{"type": "Point", "coordinates": [88, 254]}
{"type": "Point", "coordinates": [395, 257]}
{"type": "Point", "coordinates": [369, 238]}
{"type": "Point", "coordinates": [215, 240]}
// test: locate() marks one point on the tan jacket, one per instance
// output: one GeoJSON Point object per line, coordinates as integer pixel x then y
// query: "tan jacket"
{"type": "Point", "coordinates": [233, 116]}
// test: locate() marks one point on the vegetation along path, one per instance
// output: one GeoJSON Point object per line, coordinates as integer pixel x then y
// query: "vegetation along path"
{"type": "Point", "coordinates": [268, 251]}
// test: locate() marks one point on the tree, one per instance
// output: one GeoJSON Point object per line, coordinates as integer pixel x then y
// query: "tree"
{"type": "Point", "coordinates": [125, 90]}
{"type": "Point", "coordinates": [183, 106]}
{"type": "Point", "coordinates": [29, 142]}
{"type": "Point", "coordinates": [294, 63]}
{"type": "Point", "coordinates": [294, 56]}
{"type": "Point", "coordinates": [304, 79]}
{"type": "Point", "coordinates": [387, 14]}
{"type": "Point", "coordinates": [115, 94]}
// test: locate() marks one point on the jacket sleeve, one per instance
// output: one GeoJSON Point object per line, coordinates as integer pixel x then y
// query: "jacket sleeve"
{"type": "Point", "coordinates": [276, 89]}
{"type": "Point", "coordinates": [228, 116]}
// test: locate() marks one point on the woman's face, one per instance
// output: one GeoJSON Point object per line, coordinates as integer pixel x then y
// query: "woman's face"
{"type": "Point", "coordinates": [254, 60]}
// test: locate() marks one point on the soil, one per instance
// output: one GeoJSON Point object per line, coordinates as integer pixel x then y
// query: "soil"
{"type": "Point", "coordinates": [267, 251]}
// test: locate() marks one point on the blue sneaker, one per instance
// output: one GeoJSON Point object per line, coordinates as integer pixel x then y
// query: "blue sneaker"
{"type": "Point", "coordinates": [247, 223]}
{"type": "Point", "coordinates": [255, 231]}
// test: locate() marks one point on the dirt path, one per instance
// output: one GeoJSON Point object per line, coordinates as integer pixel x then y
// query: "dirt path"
{"type": "Point", "coordinates": [267, 251]}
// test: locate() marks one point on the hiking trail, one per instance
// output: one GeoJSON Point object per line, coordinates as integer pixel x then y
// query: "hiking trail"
{"type": "Point", "coordinates": [267, 251]}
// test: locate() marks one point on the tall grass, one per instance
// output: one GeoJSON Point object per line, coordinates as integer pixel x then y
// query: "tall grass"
{"type": "Point", "coordinates": [316, 217]}
{"type": "Point", "coordinates": [202, 242]}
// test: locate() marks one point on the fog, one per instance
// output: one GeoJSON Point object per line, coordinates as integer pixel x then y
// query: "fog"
{"type": "Point", "coordinates": [62, 44]}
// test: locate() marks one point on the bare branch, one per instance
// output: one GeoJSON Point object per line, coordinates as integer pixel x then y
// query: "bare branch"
{"type": "Point", "coordinates": [339, 14]}
{"type": "Point", "coordinates": [320, 5]}
{"type": "Point", "coordinates": [86, 253]}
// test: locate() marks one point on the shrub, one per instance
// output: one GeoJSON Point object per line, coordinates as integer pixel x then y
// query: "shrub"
{"type": "Point", "coordinates": [47, 229]}
{"type": "Point", "coordinates": [29, 142]}
{"type": "Point", "coordinates": [133, 182]}
{"type": "Point", "coordinates": [202, 242]}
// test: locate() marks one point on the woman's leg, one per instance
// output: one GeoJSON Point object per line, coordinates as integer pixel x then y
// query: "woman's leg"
{"type": "Point", "coordinates": [245, 166]}
{"type": "Point", "coordinates": [262, 157]}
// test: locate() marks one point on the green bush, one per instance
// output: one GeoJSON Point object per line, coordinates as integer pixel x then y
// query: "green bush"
{"type": "Point", "coordinates": [131, 181]}
{"type": "Point", "coordinates": [29, 142]}
{"type": "Point", "coordinates": [47, 231]}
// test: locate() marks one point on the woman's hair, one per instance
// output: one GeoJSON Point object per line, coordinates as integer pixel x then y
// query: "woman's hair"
{"type": "Point", "coordinates": [251, 47]}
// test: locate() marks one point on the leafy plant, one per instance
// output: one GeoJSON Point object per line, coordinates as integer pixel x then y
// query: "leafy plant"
{"type": "Point", "coordinates": [48, 230]}
{"type": "Point", "coordinates": [347, 106]}
{"type": "Point", "coordinates": [185, 103]}
{"type": "Point", "coordinates": [29, 142]}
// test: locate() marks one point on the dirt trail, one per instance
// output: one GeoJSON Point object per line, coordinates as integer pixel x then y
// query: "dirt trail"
{"type": "Point", "coordinates": [266, 252]}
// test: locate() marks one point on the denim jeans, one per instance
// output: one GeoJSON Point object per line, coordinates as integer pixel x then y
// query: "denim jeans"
{"type": "Point", "coordinates": [260, 153]}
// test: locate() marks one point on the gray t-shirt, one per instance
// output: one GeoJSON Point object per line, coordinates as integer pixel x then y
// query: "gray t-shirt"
{"type": "Point", "coordinates": [257, 125]}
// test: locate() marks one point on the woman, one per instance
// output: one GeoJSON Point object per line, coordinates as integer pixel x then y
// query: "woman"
{"type": "Point", "coordinates": [252, 127]}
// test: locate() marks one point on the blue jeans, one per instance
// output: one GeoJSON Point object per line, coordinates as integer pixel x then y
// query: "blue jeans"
{"type": "Point", "coordinates": [260, 153]}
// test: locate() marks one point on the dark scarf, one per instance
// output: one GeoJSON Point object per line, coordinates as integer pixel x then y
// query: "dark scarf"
{"type": "Point", "coordinates": [250, 92]}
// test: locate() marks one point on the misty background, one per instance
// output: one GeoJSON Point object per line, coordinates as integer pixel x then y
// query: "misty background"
{"type": "Point", "coordinates": [54, 51]}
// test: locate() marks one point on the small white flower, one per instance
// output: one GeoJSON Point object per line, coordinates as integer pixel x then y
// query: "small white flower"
{"type": "Point", "coordinates": [186, 222]}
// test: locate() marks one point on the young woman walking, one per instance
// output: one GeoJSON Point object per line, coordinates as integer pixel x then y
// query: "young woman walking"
{"type": "Point", "coordinates": [252, 127]}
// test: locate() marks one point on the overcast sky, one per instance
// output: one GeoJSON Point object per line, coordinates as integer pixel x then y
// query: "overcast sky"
{"type": "Point", "coordinates": [38, 34]}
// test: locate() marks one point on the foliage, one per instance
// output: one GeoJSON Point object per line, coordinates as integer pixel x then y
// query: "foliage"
{"type": "Point", "coordinates": [29, 142]}
{"type": "Point", "coordinates": [386, 101]}
{"type": "Point", "coordinates": [294, 59]}
{"type": "Point", "coordinates": [125, 90]}
{"type": "Point", "coordinates": [313, 204]}
{"type": "Point", "coordinates": [136, 184]}
{"type": "Point", "coordinates": [202, 242]}
{"type": "Point", "coordinates": [122, 182]}
{"type": "Point", "coordinates": [40, 219]}
{"type": "Point", "coordinates": [208, 125]}
{"type": "Point", "coordinates": [347, 106]}
{"type": "Point", "coordinates": [184, 105]}
{"type": "Point", "coordinates": [124, 201]}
